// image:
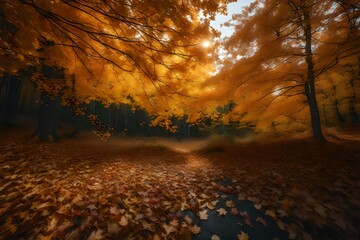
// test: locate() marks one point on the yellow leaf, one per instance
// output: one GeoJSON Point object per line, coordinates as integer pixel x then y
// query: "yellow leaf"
{"type": "Point", "coordinates": [123, 221]}
{"type": "Point", "coordinates": [174, 222]}
{"type": "Point", "coordinates": [215, 237]}
{"type": "Point", "coordinates": [203, 215]}
{"type": "Point", "coordinates": [96, 235]}
{"type": "Point", "coordinates": [195, 229]}
{"type": "Point", "coordinates": [230, 204]}
{"type": "Point", "coordinates": [271, 214]}
{"type": "Point", "coordinates": [243, 236]}
{"type": "Point", "coordinates": [221, 211]}
{"type": "Point", "coordinates": [52, 224]}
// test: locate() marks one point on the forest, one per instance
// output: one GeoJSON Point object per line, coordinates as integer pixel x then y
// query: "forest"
{"type": "Point", "coordinates": [139, 119]}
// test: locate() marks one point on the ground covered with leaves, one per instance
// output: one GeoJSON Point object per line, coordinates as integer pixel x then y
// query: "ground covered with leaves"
{"type": "Point", "coordinates": [85, 188]}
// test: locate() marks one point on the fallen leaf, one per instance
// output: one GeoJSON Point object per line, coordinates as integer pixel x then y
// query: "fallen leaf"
{"type": "Point", "coordinates": [52, 224]}
{"type": "Point", "coordinates": [257, 206]}
{"type": "Point", "coordinates": [91, 207]}
{"type": "Point", "coordinates": [174, 222]}
{"type": "Point", "coordinates": [230, 204]}
{"type": "Point", "coordinates": [188, 220]}
{"type": "Point", "coordinates": [261, 220]}
{"type": "Point", "coordinates": [203, 214]}
{"type": "Point", "coordinates": [234, 211]}
{"type": "Point", "coordinates": [96, 235]}
{"type": "Point", "coordinates": [113, 229]}
{"type": "Point", "coordinates": [123, 221]}
{"type": "Point", "coordinates": [114, 210]}
{"type": "Point", "coordinates": [156, 237]}
{"type": "Point", "coordinates": [246, 217]}
{"type": "Point", "coordinates": [243, 236]}
{"type": "Point", "coordinates": [221, 211]}
{"type": "Point", "coordinates": [215, 237]}
{"type": "Point", "coordinates": [168, 229]}
{"type": "Point", "coordinates": [271, 214]}
{"type": "Point", "coordinates": [195, 229]}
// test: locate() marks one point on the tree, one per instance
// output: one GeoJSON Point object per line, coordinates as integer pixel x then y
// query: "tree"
{"type": "Point", "coordinates": [279, 50]}
{"type": "Point", "coordinates": [148, 50]}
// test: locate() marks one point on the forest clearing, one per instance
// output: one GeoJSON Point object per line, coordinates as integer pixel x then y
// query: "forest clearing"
{"type": "Point", "coordinates": [155, 188]}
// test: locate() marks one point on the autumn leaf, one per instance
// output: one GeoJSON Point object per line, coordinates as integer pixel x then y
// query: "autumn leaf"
{"type": "Point", "coordinates": [212, 205]}
{"type": "Point", "coordinates": [52, 224]}
{"type": "Point", "coordinates": [195, 229]}
{"type": "Point", "coordinates": [257, 206]}
{"type": "Point", "coordinates": [230, 203]}
{"type": "Point", "coordinates": [96, 235]}
{"type": "Point", "coordinates": [168, 229]}
{"type": "Point", "coordinates": [271, 214]}
{"type": "Point", "coordinates": [188, 220]}
{"type": "Point", "coordinates": [203, 215]}
{"type": "Point", "coordinates": [113, 229]}
{"type": "Point", "coordinates": [174, 223]}
{"type": "Point", "coordinates": [221, 211]}
{"type": "Point", "coordinates": [261, 220]}
{"type": "Point", "coordinates": [156, 237]}
{"type": "Point", "coordinates": [91, 207]}
{"type": "Point", "coordinates": [246, 217]}
{"type": "Point", "coordinates": [215, 237]}
{"type": "Point", "coordinates": [114, 210]}
{"type": "Point", "coordinates": [280, 225]}
{"type": "Point", "coordinates": [234, 211]}
{"type": "Point", "coordinates": [124, 221]}
{"type": "Point", "coordinates": [243, 236]}
{"type": "Point", "coordinates": [148, 226]}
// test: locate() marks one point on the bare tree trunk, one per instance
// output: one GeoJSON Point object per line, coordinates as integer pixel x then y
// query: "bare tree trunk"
{"type": "Point", "coordinates": [47, 120]}
{"type": "Point", "coordinates": [11, 100]}
{"type": "Point", "coordinates": [310, 83]}
{"type": "Point", "coordinates": [352, 102]}
{"type": "Point", "coordinates": [338, 113]}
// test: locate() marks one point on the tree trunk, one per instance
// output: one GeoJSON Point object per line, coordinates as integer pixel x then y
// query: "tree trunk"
{"type": "Point", "coordinates": [47, 120]}
{"type": "Point", "coordinates": [338, 113]}
{"type": "Point", "coordinates": [325, 115]}
{"type": "Point", "coordinates": [10, 100]}
{"type": "Point", "coordinates": [353, 112]}
{"type": "Point", "coordinates": [310, 83]}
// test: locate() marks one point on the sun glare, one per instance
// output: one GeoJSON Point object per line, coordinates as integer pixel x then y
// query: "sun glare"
{"type": "Point", "coordinates": [276, 92]}
{"type": "Point", "coordinates": [206, 44]}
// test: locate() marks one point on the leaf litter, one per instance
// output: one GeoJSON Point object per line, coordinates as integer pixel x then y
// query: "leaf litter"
{"type": "Point", "coordinates": [71, 190]}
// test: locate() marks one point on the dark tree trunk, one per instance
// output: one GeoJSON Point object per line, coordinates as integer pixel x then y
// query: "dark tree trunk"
{"type": "Point", "coordinates": [325, 115]}
{"type": "Point", "coordinates": [353, 113]}
{"type": "Point", "coordinates": [10, 100]}
{"type": "Point", "coordinates": [310, 83]}
{"type": "Point", "coordinates": [47, 119]}
{"type": "Point", "coordinates": [338, 113]}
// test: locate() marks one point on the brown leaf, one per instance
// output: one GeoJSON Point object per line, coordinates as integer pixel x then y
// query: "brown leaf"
{"type": "Point", "coordinates": [230, 203]}
{"type": "Point", "coordinates": [124, 221]}
{"type": "Point", "coordinates": [203, 214]}
{"type": "Point", "coordinates": [215, 237]}
{"type": "Point", "coordinates": [188, 220]}
{"type": "Point", "coordinates": [113, 229]}
{"type": "Point", "coordinates": [96, 235]}
{"type": "Point", "coordinates": [243, 236]}
{"type": "Point", "coordinates": [195, 229]}
{"type": "Point", "coordinates": [261, 220]}
{"type": "Point", "coordinates": [221, 211]}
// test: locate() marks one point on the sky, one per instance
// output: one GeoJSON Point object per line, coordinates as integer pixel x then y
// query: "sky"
{"type": "Point", "coordinates": [233, 8]}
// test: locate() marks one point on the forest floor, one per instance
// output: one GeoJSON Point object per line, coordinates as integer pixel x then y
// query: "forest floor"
{"type": "Point", "coordinates": [85, 188]}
